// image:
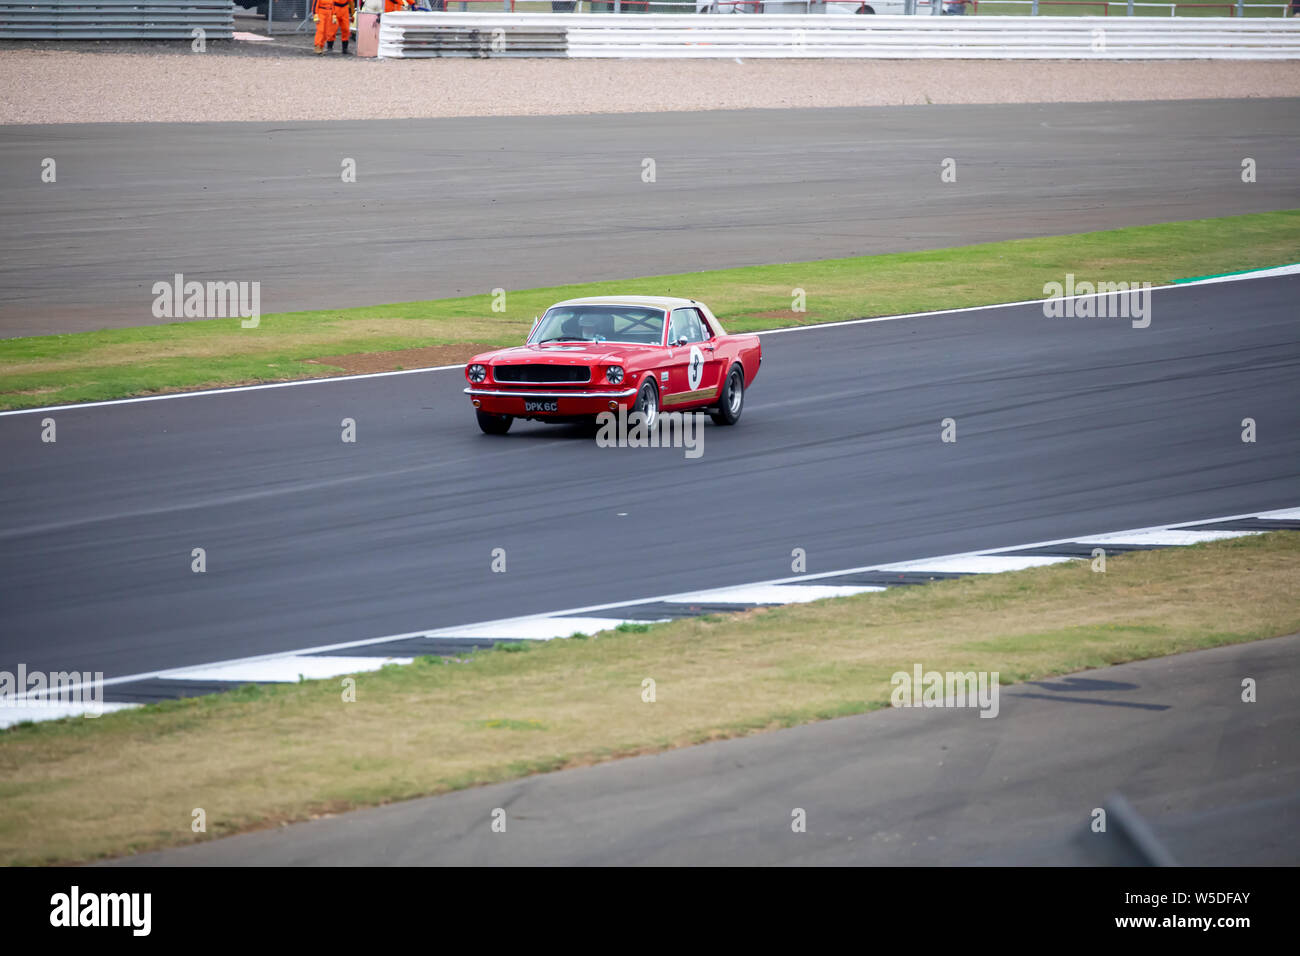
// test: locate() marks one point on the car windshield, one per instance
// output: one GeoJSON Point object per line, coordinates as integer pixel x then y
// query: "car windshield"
{"type": "Point", "coordinates": [601, 323]}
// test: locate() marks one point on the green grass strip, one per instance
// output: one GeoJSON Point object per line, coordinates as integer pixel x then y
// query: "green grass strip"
{"type": "Point", "coordinates": [93, 366]}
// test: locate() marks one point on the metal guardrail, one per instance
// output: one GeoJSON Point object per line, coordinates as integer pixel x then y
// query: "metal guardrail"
{"type": "Point", "coordinates": [1232, 8]}
{"type": "Point", "coordinates": [898, 37]}
{"type": "Point", "coordinates": [115, 19]}
{"type": "Point", "coordinates": [1238, 8]}
{"type": "Point", "coordinates": [933, 38]}
{"type": "Point", "coordinates": [500, 40]}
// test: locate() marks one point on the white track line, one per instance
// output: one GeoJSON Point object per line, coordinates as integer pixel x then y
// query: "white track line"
{"type": "Point", "coordinates": [226, 391]}
{"type": "Point", "coordinates": [1252, 274]}
{"type": "Point", "coordinates": [1258, 274]}
{"type": "Point", "coordinates": [554, 620]}
{"type": "Point", "coordinates": [1282, 514]}
{"type": "Point", "coordinates": [1265, 273]}
{"type": "Point", "coordinates": [975, 564]}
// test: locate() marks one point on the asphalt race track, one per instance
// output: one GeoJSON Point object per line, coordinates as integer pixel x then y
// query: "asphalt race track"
{"type": "Point", "coordinates": [1065, 427]}
{"type": "Point", "coordinates": [461, 206]}
{"type": "Point", "coordinates": [1216, 781]}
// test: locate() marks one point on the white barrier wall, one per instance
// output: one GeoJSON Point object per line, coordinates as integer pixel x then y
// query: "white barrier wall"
{"type": "Point", "coordinates": [876, 37]}
{"type": "Point", "coordinates": [115, 19]}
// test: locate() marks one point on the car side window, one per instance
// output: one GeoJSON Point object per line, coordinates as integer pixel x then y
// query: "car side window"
{"type": "Point", "coordinates": [686, 324]}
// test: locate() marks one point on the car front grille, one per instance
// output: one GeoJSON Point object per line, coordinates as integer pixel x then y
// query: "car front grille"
{"type": "Point", "coordinates": [532, 374]}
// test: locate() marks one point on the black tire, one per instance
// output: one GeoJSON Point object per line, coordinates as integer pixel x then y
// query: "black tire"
{"type": "Point", "coordinates": [732, 400]}
{"type": "Point", "coordinates": [494, 424]}
{"type": "Point", "coordinates": [865, 8]}
{"type": "Point", "coordinates": [647, 400]}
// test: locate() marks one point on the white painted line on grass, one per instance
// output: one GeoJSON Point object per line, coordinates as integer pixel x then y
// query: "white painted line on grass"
{"type": "Point", "coordinates": [770, 594]}
{"type": "Point", "coordinates": [286, 669]}
{"type": "Point", "coordinates": [1174, 537]}
{"type": "Point", "coordinates": [975, 563]}
{"type": "Point", "coordinates": [536, 629]}
{"type": "Point", "coordinates": [16, 714]}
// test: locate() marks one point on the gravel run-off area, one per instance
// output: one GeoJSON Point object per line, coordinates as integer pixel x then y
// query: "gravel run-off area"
{"type": "Point", "coordinates": [70, 86]}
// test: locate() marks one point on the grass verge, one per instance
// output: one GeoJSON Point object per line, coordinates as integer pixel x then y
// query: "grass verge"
{"type": "Point", "coordinates": [93, 366]}
{"type": "Point", "coordinates": [80, 789]}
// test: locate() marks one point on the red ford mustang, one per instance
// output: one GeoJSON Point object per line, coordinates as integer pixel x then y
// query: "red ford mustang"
{"type": "Point", "coordinates": [640, 353]}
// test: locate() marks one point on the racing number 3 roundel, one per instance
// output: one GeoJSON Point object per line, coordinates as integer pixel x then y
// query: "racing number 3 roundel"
{"type": "Point", "coordinates": [695, 368]}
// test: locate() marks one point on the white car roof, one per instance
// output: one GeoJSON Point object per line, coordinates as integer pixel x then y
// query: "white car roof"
{"type": "Point", "coordinates": [655, 301]}
{"type": "Point", "coordinates": [652, 301]}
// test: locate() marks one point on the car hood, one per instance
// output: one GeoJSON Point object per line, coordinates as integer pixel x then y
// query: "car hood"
{"type": "Point", "coordinates": [566, 353]}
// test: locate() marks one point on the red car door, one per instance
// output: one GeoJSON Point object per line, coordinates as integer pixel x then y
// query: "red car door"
{"type": "Point", "coordinates": [715, 361]}
{"type": "Point", "coordinates": [692, 362]}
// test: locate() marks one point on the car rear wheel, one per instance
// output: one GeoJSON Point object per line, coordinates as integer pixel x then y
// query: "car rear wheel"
{"type": "Point", "coordinates": [647, 403]}
{"type": "Point", "coordinates": [732, 400]}
{"type": "Point", "coordinates": [494, 424]}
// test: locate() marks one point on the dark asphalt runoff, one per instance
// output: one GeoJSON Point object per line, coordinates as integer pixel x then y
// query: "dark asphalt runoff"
{"type": "Point", "coordinates": [1215, 780]}
{"type": "Point", "coordinates": [1065, 427]}
{"type": "Point", "coordinates": [446, 207]}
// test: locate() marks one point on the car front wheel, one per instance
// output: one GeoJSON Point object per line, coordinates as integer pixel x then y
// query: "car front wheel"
{"type": "Point", "coordinates": [732, 400]}
{"type": "Point", "coordinates": [494, 424]}
{"type": "Point", "coordinates": [647, 403]}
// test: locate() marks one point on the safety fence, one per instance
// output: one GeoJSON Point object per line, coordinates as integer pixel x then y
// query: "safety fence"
{"type": "Point", "coordinates": [894, 37]}
{"type": "Point", "coordinates": [1033, 8]}
{"type": "Point", "coordinates": [115, 19]}
{"type": "Point", "coordinates": [686, 6]}
{"type": "Point", "coordinates": [473, 35]}
{"type": "Point", "coordinates": [285, 16]}
{"type": "Point", "coordinates": [1141, 8]}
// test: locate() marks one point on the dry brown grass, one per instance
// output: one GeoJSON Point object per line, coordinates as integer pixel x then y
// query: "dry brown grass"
{"type": "Point", "coordinates": [85, 788]}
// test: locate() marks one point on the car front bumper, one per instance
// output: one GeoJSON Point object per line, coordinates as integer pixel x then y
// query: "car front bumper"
{"type": "Point", "coordinates": [567, 403]}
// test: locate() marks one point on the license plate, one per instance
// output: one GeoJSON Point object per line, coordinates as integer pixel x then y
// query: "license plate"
{"type": "Point", "coordinates": [540, 406]}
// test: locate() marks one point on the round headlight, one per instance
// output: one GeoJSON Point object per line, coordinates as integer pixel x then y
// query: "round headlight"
{"type": "Point", "coordinates": [614, 374]}
{"type": "Point", "coordinates": [476, 373]}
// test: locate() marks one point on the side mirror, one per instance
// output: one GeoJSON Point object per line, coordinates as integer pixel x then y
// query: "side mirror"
{"type": "Point", "coordinates": [680, 341]}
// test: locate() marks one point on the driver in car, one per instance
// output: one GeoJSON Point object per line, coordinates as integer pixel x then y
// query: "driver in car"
{"type": "Point", "coordinates": [589, 325]}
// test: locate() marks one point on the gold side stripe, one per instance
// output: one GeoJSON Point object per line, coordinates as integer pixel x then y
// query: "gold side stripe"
{"type": "Point", "coordinates": [680, 398]}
